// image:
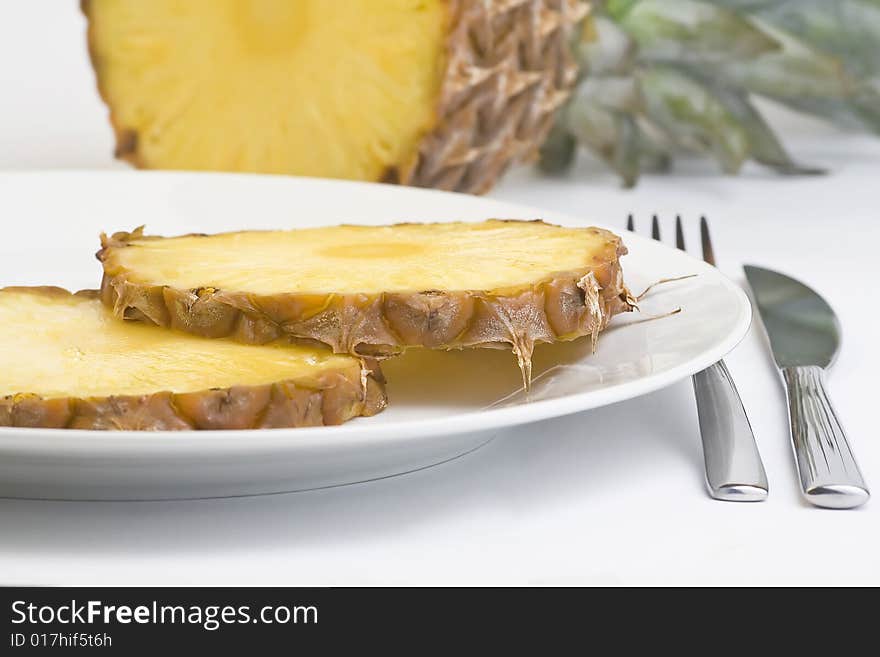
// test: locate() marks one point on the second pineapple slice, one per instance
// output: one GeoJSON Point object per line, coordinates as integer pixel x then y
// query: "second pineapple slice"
{"type": "Point", "coordinates": [66, 362]}
{"type": "Point", "coordinates": [375, 290]}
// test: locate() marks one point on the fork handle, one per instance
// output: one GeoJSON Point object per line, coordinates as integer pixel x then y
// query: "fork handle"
{"type": "Point", "coordinates": [827, 467]}
{"type": "Point", "coordinates": [734, 471]}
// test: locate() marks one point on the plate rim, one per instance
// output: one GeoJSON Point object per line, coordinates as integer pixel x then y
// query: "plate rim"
{"type": "Point", "coordinates": [356, 431]}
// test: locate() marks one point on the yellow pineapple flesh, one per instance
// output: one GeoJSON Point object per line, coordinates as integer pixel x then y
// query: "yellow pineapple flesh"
{"type": "Point", "coordinates": [183, 77]}
{"type": "Point", "coordinates": [455, 256]}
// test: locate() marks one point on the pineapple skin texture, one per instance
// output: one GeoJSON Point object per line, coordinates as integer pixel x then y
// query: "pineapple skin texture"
{"type": "Point", "coordinates": [558, 306]}
{"type": "Point", "coordinates": [503, 70]}
{"type": "Point", "coordinates": [330, 399]}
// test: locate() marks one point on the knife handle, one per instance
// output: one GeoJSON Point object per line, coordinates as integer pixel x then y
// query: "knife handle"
{"type": "Point", "coordinates": [827, 467]}
{"type": "Point", "coordinates": [734, 471]}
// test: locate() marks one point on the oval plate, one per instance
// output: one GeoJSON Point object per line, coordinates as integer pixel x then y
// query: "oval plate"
{"type": "Point", "coordinates": [442, 404]}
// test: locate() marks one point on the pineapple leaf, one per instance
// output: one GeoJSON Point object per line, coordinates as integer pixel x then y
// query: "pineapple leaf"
{"type": "Point", "coordinates": [764, 146]}
{"type": "Point", "coordinates": [652, 155]}
{"type": "Point", "coordinates": [612, 135]}
{"type": "Point", "coordinates": [617, 9]}
{"type": "Point", "coordinates": [690, 31]}
{"type": "Point", "coordinates": [860, 114]}
{"type": "Point", "coordinates": [611, 92]}
{"type": "Point", "coordinates": [669, 75]}
{"type": "Point", "coordinates": [693, 117]}
{"type": "Point", "coordinates": [815, 83]}
{"type": "Point", "coordinates": [794, 73]}
{"type": "Point", "coordinates": [608, 50]}
{"type": "Point", "coordinates": [558, 150]}
{"type": "Point", "coordinates": [848, 29]}
{"type": "Point", "coordinates": [626, 157]}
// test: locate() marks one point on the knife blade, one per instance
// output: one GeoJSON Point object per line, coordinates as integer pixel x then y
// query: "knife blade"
{"type": "Point", "coordinates": [804, 336]}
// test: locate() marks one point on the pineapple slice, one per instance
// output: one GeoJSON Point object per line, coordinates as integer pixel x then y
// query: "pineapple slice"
{"type": "Point", "coordinates": [66, 362]}
{"type": "Point", "coordinates": [425, 92]}
{"type": "Point", "coordinates": [375, 290]}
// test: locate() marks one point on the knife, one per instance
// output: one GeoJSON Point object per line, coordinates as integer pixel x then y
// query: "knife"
{"type": "Point", "coordinates": [805, 337]}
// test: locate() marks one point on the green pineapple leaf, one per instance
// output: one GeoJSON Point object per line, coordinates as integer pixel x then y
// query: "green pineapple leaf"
{"type": "Point", "coordinates": [686, 30]}
{"type": "Point", "coordinates": [860, 114]}
{"type": "Point", "coordinates": [764, 146]}
{"type": "Point", "coordinates": [558, 150]}
{"type": "Point", "coordinates": [665, 76]}
{"type": "Point", "coordinates": [693, 118]}
{"type": "Point", "coordinates": [606, 50]}
{"type": "Point", "coordinates": [847, 29]}
{"type": "Point", "coordinates": [610, 134]}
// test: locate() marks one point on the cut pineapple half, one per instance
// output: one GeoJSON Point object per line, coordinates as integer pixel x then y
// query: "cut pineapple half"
{"type": "Point", "coordinates": [375, 290]}
{"type": "Point", "coordinates": [66, 362]}
{"type": "Point", "coordinates": [443, 93]}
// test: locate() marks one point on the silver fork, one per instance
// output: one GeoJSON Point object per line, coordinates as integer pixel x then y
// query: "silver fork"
{"type": "Point", "coordinates": [734, 470]}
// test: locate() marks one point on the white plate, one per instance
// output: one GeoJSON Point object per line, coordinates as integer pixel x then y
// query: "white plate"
{"type": "Point", "coordinates": [442, 404]}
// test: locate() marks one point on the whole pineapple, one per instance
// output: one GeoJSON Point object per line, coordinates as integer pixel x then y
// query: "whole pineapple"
{"type": "Point", "coordinates": [433, 93]}
{"type": "Point", "coordinates": [450, 93]}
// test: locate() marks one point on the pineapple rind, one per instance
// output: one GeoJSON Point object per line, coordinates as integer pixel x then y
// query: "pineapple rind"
{"type": "Point", "coordinates": [326, 398]}
{"type": "Point", "coordinates": [509, 69]}
{"type": "Point", "coordinates": [549, 307]}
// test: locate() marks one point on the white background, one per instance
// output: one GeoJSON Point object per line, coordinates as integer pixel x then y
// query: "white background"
{"type": "Point", "coordinates": [606, 497]}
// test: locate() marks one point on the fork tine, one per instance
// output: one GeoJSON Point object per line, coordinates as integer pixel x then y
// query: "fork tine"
{"type": "Point", "coordinates": [708, 252]}
{"type": "Point", "coordinates": [655, 228]}
{"type": "Point", "coordinates": [679, 233]}
{"type": "Point", "coordinates": [630, 224]}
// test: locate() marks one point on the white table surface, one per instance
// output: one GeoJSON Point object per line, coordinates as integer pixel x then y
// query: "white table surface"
{"type": "Point", "coordinates": [611, 496]}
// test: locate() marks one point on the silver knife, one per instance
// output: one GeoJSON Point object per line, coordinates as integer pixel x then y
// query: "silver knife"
{"type": "Point", "coordinates": [805, 338]}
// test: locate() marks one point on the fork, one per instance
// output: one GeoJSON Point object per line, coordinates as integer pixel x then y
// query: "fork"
{"type": "Point", "coordinates": [734, 470]}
